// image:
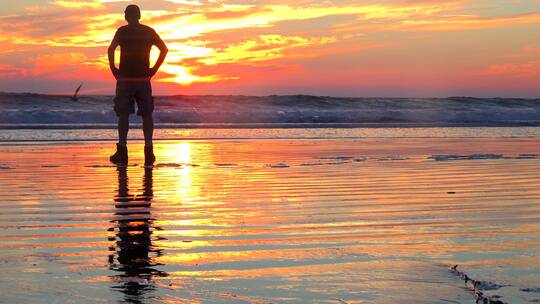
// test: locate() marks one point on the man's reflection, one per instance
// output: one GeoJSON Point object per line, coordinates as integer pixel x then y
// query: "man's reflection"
{"type": "Point", "coordinates": [134, 256]}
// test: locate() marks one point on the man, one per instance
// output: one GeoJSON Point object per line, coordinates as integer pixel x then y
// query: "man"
{"type": "Point", "coordinates": [133, 81]}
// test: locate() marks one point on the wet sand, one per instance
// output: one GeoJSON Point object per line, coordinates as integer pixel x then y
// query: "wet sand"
{"type": "Point", "coordinates": [271, 221]}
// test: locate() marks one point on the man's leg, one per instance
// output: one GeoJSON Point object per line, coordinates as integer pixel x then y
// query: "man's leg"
{"type": "Point", "coordinates": [121, 155]}
{"type": "Point", "coordinates": [123, 106]}
{"type": "Point", "coordinates": [148, 128]}
{"type": "Point", "coordinates": [145, 104]}
{"type": "Point", "coordinates": [123, 128]}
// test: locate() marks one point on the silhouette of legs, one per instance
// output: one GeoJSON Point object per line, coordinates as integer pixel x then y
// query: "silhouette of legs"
{"type": "Point", "coordinates": [120, 157]}
{"type": "Point", "coordinates": [123, 128]}
{"type": "Point", "coordinates": [148, 129]}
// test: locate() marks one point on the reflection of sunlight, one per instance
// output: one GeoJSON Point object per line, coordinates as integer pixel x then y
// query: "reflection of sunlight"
{"type": "Point", "coordinates": [183, 188]}
{"type": "Point", "coordinates": [182, 181]}
{"type": "Point", "coordinates": [182, 153]}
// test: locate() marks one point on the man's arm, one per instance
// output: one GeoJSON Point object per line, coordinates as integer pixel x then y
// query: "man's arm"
{"type": "Point", "coordinates": [163, 50]}
{"type": "Point", "coordinates": [112, 48]}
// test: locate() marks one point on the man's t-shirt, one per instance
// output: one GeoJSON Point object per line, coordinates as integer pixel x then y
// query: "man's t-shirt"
{"type": "Point", "coordinates": [135, 44]}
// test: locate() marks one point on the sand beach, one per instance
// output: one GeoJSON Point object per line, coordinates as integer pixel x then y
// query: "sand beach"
{"type": "Point", "coordinates": [357, 220]}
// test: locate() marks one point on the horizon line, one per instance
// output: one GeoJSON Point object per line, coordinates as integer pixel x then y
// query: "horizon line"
{"type": "Point", "coordinates": [274, 95]}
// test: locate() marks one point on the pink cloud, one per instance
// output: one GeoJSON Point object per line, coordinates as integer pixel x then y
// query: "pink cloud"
{"type": "Point", "coordinates": [513, 69]}
{"type": "Point", "coordinates": [11, 71]}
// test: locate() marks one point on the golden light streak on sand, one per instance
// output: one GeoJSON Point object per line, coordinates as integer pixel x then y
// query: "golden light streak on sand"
{"type": "Point", "coordinates": [184, 182]}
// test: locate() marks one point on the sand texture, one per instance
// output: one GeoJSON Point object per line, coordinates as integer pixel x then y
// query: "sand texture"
{"type": "Point", "coordinates": [271, 221]}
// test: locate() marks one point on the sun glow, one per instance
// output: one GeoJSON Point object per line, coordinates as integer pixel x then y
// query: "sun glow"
{"type": "Point", "coordinates": [183, 75]}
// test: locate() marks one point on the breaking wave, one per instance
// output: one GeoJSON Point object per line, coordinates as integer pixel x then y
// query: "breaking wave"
{"type": "Point", "coordinates": [56, 109]}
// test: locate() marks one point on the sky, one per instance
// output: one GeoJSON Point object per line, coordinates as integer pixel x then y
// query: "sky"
{"type": "Point", "coordinates": [404, 48]}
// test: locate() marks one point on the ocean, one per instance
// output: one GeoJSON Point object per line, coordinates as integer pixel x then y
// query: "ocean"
{"type": "Point", "coordinates": [31, 109]}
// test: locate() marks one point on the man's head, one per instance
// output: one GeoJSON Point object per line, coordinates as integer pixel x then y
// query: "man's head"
{"type": "Point", "coordinates": [132, 13]}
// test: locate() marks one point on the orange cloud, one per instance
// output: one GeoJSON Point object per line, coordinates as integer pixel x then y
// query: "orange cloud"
{"type": "Point", "coordinates": [460, 23]}
{"type": "Point", "coordinates": [265, 48]}
{"type": "Point", "coordinates": [79, 4]}
{"type": "Point", "coordinates": [511, 69]}
{"type": "Point", "coordinates": [11, 71]}
{"type": "Point", "coordinates": [443, 23]}
{"type": "Point", "coordinates": [54, 64]}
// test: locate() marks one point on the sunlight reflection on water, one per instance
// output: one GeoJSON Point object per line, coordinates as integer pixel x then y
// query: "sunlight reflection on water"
{"type": "Point", "coordinates": [270, 221]}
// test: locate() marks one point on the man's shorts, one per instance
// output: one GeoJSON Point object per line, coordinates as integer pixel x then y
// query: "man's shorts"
{"type": "Point", "coordinates": [129, 92]}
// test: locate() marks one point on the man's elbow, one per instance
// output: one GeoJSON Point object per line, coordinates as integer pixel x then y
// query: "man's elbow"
{"type": "Point", "coordinates": [164, 49]}
{"type": "Point", "coordinates": [112, 48]}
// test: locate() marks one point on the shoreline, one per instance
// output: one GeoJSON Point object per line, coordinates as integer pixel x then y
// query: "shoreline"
{"type": "Point", "coordinates": [456, 97]}
{"type": "Point", "coordinates": [263, 125]}
{"type": "Point", "coordinates": [66, 134]}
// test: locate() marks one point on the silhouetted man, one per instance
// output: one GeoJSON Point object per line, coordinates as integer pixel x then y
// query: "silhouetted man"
{"type": "Point", "coordinates": [133, 80]}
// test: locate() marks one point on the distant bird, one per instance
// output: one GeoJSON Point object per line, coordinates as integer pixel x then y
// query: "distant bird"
{"type": "Point", "coordinates": [74, 97]}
